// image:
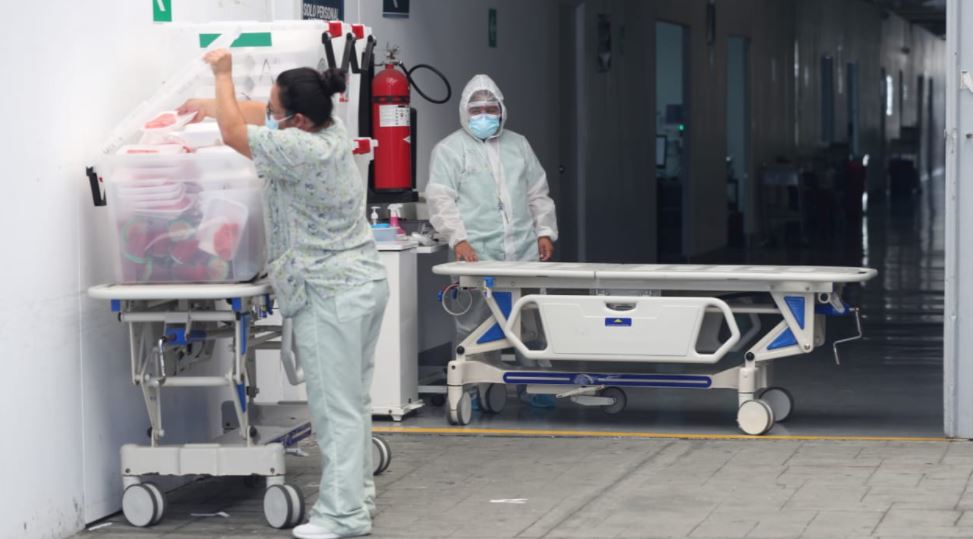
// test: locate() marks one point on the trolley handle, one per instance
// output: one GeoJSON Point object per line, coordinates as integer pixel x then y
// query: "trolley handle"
{"type": "Point", "coordinates": [97, 196]}
{"type": "Point", "coordinates": [328, 50]}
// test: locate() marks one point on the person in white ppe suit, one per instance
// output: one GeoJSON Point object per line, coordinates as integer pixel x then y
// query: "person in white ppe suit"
{"type": "Point", "coordinates": [488, 194]}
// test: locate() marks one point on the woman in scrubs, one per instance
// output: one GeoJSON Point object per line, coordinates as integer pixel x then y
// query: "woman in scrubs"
{"type": "Point", "coordinates": [324, 268]}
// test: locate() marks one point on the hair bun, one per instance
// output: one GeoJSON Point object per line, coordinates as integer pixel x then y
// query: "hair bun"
{"type": "Point", "coordinates": [333, 81]}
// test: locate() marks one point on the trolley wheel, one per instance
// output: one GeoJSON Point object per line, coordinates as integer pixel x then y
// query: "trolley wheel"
{"type": "Point", "coordinates": [781, 402]}
{"type": "Point", "coordinates": [494, 398]}
{"type": "Point", "coordinates": [755, 417]}
{"type": "Point", "coordinates": [620, 398]}
{"type": "Point", "coordinates": [297, 497]}
{"type": "Point", "coordinates": [283, 506]}
{"type": "Point", "coordinates": [381, 455]}
{"type": "Point", "coordinates": [160, 499]}
{"type": "Point", "coordinates": [437, 399]}
{"type": "Point", "coordinates": [140, 506]}
{"type": "Point", "coordinates": [464, 411]}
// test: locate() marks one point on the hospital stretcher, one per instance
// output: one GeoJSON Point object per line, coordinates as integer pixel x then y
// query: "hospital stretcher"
{"type": "Point", "coordinates": [643, 314]}
{"type": "Point", "coordinates": [171, 328]}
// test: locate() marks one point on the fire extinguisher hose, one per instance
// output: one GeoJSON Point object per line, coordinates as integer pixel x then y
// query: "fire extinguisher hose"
{"type": "Point", "coordinates": [449, 89]}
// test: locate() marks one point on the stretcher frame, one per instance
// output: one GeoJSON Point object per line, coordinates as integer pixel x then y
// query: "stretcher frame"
{"type": "Point", "coordinates": [172, 327]}
{"type": "Point", "coordinates": [802, 297]}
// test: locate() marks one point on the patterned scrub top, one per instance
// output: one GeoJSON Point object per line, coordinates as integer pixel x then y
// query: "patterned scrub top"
{"type": "Point", "coordinates": [314, 212]}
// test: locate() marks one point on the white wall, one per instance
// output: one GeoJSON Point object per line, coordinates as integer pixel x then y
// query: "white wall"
{"type": "Point", "coordinates": [451, 36]}
{"type": "Point", "coordinates": [78, 71]}
{"type": "Point", "coordinates": [66, 402]}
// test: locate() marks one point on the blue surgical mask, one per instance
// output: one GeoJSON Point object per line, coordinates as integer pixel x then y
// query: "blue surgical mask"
{"type": "Point", "coordinates": [484, 126]}
{"type": "Point", "coordinates": [273, 123]}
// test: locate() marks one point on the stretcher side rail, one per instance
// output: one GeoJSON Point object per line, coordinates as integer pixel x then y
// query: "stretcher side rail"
{"type": "Point", "coordinates": [657, 338]}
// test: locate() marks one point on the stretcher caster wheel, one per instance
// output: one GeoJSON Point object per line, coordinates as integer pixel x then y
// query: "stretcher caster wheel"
{"type": "Point", "coordinates": [781, 402]}
{"type": "Point", "coordinates": [437, 399]}
{"type": "Point", "coordinates": [494, 398]}
{"type": "Point", "coordinates": [463, 412]}
{"type": "Point", "coordinates": [160, 499]}
{"type": "Point", "coordinates": [620, 398]}
{"type": "Point", "coordinates": [283, 506]}
{"type": "Point", "coordinates": [381, 455]}
{"type": "Point", "coordinates": [755, 417]}
{"type": "Point", "coordinates": [141, 506]}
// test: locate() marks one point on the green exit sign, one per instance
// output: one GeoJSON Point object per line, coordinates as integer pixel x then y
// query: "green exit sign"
{"type": "Point", "coordinates": [161, 10]}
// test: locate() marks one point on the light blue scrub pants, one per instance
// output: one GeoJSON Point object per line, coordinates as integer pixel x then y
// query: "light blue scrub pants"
{"type": "Point", "coordinates": [336, 337]}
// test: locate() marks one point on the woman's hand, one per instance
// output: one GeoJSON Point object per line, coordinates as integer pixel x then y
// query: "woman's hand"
{"type": "Point", "coordinates": [202, 108]}
{"type": "Point", "coordinates": [220, 60]}
{"type": "Point", "coordinates": [545, 248]}
{"type": "Point", "coordinates": [465, 252]}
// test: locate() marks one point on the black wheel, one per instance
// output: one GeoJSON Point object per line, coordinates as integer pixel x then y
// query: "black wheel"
{"type": "Point", "coordinates": [620, 398]}
{"type": "Point", "coordinates": [437, 399]}
{"type": "Point", "coordinates": [494, 399]}
{"type": "Point", "coordinates": [781, 402]}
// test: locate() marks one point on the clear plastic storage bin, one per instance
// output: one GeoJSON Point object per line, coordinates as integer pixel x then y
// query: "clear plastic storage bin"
{"type": "Point", "coordinates": [185, 217]}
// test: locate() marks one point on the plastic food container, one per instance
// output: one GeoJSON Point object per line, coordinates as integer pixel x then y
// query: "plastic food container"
{"type": "Point", "coordinates": [173, 226]}
{"type": "Point", "coordinates": [201, 135]}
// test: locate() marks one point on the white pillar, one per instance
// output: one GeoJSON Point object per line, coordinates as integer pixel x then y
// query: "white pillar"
{"type": "Point", "coordinates": [958, 360]}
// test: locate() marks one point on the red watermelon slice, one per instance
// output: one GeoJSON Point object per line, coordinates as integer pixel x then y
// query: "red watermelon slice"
{"type": "Point", "coordinates": [184, 251]}
{"type": "Point", "coordinates": [135, 240]}
{"type": "Point", "coordinates": [163, 120]}
{"type": "Point", "coordinates": [194, 273]}
{"type": "Point", "coordinates": [225, 240]}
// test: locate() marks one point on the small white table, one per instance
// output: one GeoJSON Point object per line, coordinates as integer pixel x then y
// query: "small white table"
{"type": "Point", "coordinates": [395, 384]}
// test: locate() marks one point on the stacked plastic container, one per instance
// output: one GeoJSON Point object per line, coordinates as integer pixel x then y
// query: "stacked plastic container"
{"type": "Point", "coordinates": [185, 208]}
{"type": "Point", "coordinates": [185, 214]}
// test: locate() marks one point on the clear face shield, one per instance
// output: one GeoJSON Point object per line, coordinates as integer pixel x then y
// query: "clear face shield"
{"type": "Point", "coordinates": [489, 106]}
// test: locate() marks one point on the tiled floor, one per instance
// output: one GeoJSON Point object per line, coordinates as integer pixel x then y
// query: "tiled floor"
{"type": "Point", "coordinates": [498, 486]}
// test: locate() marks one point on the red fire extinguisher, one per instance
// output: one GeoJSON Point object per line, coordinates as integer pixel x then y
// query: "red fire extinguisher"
{"type": "Point", "coordinates": [392, 128]}
{"type": "Point", "coordinates": [393, 125]}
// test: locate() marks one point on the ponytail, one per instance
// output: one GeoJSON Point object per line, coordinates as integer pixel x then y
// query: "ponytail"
{"type": "Point", "coordinates": [305, 91]}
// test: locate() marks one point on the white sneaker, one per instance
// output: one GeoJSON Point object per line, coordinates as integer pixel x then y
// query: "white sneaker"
{"type": "Point", "coordinates": [311, 531]}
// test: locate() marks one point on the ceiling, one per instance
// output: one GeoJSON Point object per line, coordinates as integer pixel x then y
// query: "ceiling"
{"type": "Point", "coordinates": [930, 14]}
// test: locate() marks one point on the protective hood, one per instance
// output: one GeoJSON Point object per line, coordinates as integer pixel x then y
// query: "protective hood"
{"type": "Point", "coordinates": [477, 83]}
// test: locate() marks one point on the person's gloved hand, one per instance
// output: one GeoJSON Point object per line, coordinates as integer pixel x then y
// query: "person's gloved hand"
{"type": "Point", "coordinates": [465, 252]}
{"type": "Point", "coordinates": [545, 247]}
